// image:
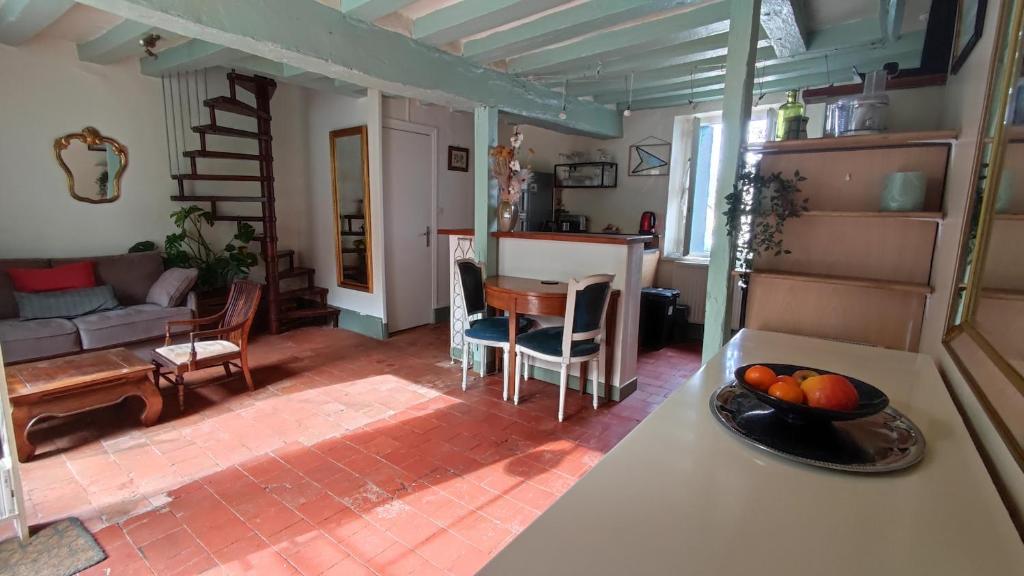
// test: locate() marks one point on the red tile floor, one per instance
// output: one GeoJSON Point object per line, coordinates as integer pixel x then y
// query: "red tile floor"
{"type": "Point", "coordinates": [353, 456]}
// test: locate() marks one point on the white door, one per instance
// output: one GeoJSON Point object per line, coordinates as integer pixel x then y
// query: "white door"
{"type": "Point", "coordinates": [408, 179]}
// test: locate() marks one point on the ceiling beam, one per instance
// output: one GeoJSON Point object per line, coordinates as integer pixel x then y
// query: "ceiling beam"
{"type": "Point", "coordinates": [561, 26]}
{"type": "Point", "coordinates": [192, 55]}
{"type": "Point", "coordinates": [717, 91]}
{"type": "Point", "coordinates": [116, 44]}
{"type": "Point", "coordinates": [318, 38]}
{"type": "Point", "coordinates": [701, 21]}
{"type": "Point", "coordinates": [784, 20]}
{"type": "Point", "coordinates": [470, 17]}
{"type": "Point", "coordinates": [890, 16]}
{"type": "Point", "coordinates": [370, 10]}
{"type": "Point", "coordinates": [297, 76]}
{"type": "Point", "coordinates": [21, 20]}
{"type": "Point", "coordinates": [855, 33]}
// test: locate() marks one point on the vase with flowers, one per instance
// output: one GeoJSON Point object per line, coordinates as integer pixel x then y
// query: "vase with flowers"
{"type": "Point", "coordinates": [512, 179]}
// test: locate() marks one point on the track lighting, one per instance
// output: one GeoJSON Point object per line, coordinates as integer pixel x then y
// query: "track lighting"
{"type": "Point", "coordinates": [565, 88]}
{"type": "Point", "coordinates": [629, 104]}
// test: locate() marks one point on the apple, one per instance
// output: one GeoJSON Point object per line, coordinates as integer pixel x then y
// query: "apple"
{"type": "Point", "coordinates": [830, 391]}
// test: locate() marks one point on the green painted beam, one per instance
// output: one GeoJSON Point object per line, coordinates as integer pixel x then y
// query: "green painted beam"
{"type": "Point", "coordinates": [739, 82]}
{"type": "Point", "coordinates": [192, 55]}
{"type": "Point", "coordinates": [470, 17]}
{"type": "Point", "coordinates": [116, 44]}
{"type": "Point", "coordinates": [485, 188]}
{"type": "Point", "coordinates": [292, 75]}
{"type": "Point", "coordinates": [784, 21]}
{"type": "Point", "coordinates": [700, 21]}
{"type": "Point", "coordinates": [21, 20]}
{"type": "Point", "coordinates": [855, 33]}
{"type": "Point", "coordinates": [717, 91]}
{"type": "Point", "coordinates": [321, 39]}
{"type": "Point", "coordinates": [370, 10]}
{"type": "Point", "coordinates": [561, 26]}
{"type": "Point", "coordinates": [890, 17]}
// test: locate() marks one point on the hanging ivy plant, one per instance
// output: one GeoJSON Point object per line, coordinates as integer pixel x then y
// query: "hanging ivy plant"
{"type": "Point", "coordinates": [757, 210]}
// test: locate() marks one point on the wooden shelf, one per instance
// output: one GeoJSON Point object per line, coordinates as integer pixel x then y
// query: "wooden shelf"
{"type": "Point", "coordinates": [1002, 294]}
{"type": "Point", "coordinates": [845, 281]}
{"type": "Point", "coordinates": [884, 140]}
{"type": "Point", "coordinates": [935, 216]}
{"type": "Point", "coordinates": [1009, 216]}
{"type": "Point", "coordinates": [1015, 133]}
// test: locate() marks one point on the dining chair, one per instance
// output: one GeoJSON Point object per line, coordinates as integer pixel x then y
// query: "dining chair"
{"type": "Point", "coordinates": [578, 341]}
{"type": "Point", "coordinates": [220, 346]}
{"type": "Point", "coordinates": [477, 328]}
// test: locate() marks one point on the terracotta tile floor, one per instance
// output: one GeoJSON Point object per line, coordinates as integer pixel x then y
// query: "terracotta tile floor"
{"type": "Point", "coordinates": [352, 457]}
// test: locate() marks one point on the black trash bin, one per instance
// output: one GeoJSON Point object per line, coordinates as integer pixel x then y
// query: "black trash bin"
{"type": "Point", "coordinates": [657, 317]}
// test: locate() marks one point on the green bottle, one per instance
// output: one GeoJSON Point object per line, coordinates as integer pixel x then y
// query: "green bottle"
{"type": "Point", "coordinates": [791, 109]}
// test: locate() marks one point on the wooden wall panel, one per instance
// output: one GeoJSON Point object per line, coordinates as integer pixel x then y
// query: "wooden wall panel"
{"type": "Point", "coordinates": [876, 248]}
{"type": "Point", "coordinates": [888, 318]}
{"type": "Point", "coordinates": [854, 179]}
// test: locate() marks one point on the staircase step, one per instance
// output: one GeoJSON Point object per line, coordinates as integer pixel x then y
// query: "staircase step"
{"type": "Point", "coordinates": [296, 272]}
{"type": "Point", "coordinates": [218, 198]}
{"type": "Point", "coordinates": [232, 132]}
{"type": "Point", "coordinates": [249, 83]}
{"type": "Point", "coordinates": [220, 218]}
{"type": "Point", "coordinates": [327, 311]}
{"type": "Point", "coordinates": [222, 155]}
{"type": "Point", "coordinates": [285, 253]}
{"type": "Point", "coordinates": [313, 292]}
{"type": "Point", "coordinates": [234, 106]}
{"type": "Point", "coordinates": [220, 177]}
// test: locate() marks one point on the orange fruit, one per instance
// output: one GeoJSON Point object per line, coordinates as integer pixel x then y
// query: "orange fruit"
{"type": "Point", "coordinates": [788, 391]}
{"type": "Point", "coordinates": [802, 375]}
{"type": "Point", "coordinates": [760, 377]}
{"type": "Point", "coordinates": [788, 379]}
{"type": "Point", "coordinates": [831, 391]}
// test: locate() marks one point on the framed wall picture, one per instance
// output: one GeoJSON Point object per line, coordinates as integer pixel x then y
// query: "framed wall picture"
{"type": "Point", "coordinates": [970, 21]}
{"type": "Point", "coordinates": [650, 157]}
{"type": "Point", "coordinates": [458, 159]}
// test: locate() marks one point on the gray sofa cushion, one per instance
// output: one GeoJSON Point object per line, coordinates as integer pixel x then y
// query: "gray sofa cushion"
{"type": "Point", "coordinates": [172, 286]}
{"type": "Point", "coordinates": [65, 303]}
{"type": "Point", "coordinates": [127, 324]}
{"type": "Point", "coordinates": [8, 306]}
{"type": "Point", "coordinates": [29, 339]}
{"type": "Point", "coordinates": [131, 275]}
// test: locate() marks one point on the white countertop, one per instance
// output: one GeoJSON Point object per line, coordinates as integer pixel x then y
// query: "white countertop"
{"type": "Point", "coordinates": [682, 495]}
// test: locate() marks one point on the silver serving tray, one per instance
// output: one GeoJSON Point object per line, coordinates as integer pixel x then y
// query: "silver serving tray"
{"type": "Point", "coordinates": [885, 442]}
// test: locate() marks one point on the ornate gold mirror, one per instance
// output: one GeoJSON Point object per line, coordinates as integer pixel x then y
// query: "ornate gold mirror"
{"type": "Point", "coordinates": [350, 178]}
{"type": "Point", "coordinates": [93, 164]}
{"type": "Point", "coordinates": [985, 333]}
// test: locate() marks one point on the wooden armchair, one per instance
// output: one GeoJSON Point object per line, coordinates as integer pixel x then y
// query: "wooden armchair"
{"type": "Point", "coordinates": [226, 345]}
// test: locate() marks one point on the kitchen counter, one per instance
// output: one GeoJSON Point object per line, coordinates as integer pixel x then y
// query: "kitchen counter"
{"type": "Point", "coordinates": [589, 237]}
{"type": "Point", "coordinates": [681, 495]}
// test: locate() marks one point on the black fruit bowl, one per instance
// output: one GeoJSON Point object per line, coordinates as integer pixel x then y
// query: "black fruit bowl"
{"type": "Point", "coordinates": [872, 400]}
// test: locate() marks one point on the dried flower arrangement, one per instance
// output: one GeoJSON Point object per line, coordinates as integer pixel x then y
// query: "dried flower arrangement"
{"type": "Point", "coordinates": [512, 176]}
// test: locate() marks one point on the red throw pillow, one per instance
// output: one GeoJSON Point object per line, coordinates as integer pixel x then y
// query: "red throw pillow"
{"type": "Point", "coordinates": [66, 277]}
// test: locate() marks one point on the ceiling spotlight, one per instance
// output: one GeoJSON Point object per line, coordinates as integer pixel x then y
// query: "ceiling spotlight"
{"type": "Point", "coordinates": [148, 43]}
{"type": "Point", "coordinates": [627, 112]}
{"type": "Point", "coordinates": [629, 104]}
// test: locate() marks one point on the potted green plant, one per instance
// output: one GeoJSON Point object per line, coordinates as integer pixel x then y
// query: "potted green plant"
{"type": "Point", "coordinates": [756, 214]}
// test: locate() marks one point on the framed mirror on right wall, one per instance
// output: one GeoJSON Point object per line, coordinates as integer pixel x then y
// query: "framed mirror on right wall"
{"type": "Point", "coordinates": [985, 329]}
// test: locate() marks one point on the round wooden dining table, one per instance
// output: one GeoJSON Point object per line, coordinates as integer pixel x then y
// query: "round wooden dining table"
{"type": "Point", "coordinates": [515, 295]}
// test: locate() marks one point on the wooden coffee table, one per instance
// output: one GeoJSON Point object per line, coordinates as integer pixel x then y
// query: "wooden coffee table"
{"type": "Point", "coordinates": [73, 384]}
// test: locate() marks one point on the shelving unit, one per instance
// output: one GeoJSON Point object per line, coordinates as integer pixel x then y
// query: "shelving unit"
{"type": "Point", "coordinates": [855, 273]}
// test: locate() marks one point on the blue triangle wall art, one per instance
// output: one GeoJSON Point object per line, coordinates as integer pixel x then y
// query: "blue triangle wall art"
{"type": "Point", "coordinates": [649, 159]}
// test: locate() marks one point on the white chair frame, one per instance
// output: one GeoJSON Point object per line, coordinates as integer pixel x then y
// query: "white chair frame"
{"type": "Point", "coordinates": [565, 360]}
{"type": "Point", "coordinates": [481, 343]}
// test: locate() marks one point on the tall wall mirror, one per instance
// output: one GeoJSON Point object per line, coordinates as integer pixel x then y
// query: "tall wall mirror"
{"type": "Point", "coordinates": [987, 316]}
{"type": "Point", "coordinates": [93, 164]}
{"type": "Point", "coordinates": [350, 179]}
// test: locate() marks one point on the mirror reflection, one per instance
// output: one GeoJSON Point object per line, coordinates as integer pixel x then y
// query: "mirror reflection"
{"type": "Point", "coordinates": [350, 178]}
{"type": "Point", "coordinates": [93, 164]}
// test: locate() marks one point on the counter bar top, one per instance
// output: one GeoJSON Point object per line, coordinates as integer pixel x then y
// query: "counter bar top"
{"type": "Point", "coordinates": [682, 495]}
{"type": "Point", "coordinates": [589, 237]}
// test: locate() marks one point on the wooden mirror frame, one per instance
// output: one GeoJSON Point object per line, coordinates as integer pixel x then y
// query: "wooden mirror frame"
{"type": "Point", "coordinates": [91, 137]}
{"type": "Point", "coordinates": [339, 263]}
{"type": "Point", "coordinates": [979, 362]}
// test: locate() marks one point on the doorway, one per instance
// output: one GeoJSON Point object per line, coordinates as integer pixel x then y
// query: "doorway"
{"type": "Point", "coordinates": [410, 190]}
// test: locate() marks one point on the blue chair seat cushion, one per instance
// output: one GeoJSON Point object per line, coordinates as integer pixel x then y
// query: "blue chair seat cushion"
{"type": "Point", "coordinates": [548, 341]}
{"type": "Point", "coordinates": [495, 328]}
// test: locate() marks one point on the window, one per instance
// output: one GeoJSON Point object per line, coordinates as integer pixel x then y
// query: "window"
{"type": "Point", "coordinates": [694, 240]}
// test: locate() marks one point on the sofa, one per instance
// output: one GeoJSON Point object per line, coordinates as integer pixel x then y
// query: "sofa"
{"type": "Point", "coordinates": [129, 275]}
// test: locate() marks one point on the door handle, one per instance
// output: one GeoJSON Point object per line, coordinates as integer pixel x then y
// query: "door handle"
{"type": "Point", "coordinates": [427, 235]}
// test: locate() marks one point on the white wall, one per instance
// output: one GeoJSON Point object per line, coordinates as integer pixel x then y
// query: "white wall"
{"type": "Point", "coordinates": [47, 93]}
{"type": "Point", "coordinates": [454, 188]}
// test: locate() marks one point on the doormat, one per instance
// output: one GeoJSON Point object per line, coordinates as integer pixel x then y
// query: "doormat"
{"type": "Point", "coordinates": [61, 549]}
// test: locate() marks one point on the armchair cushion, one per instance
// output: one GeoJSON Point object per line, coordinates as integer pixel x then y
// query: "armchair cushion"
{"type": "Point", "coordinates": [548, 341]}
{"type": "Point", "coordinates": [172, 286]}
{"type": "Point", "coordinates": [178, 353]}
{"type": "Point", "coordinates": [495, 328]}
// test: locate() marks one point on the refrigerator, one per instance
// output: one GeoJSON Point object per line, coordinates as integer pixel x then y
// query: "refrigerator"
{"type": "Point", "coordinates": [538, 203]}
